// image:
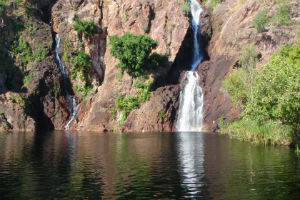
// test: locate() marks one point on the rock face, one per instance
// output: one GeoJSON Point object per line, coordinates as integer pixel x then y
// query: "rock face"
{"type": "Point", "coordinates": [162, 20]}
{"type": "Point", "coordinates": [33, 92]}
{"type": "Point", "coordinates": [30, 97]}
{"type": "Point", "coordinates": [232, 30]}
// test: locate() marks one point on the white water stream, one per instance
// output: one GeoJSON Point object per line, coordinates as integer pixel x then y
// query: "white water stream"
{"type": "Point", "coordinates": [71, 100]}
{"type": "Point", "coordinates": [190, 115]}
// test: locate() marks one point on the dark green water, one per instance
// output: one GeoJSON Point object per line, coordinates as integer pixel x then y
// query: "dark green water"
{"type": "Point", "coordinates": [79, 165]}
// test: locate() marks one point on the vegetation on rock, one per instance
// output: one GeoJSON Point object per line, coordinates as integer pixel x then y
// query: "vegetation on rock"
{"type": "Point", "coordinates": [271, 100]}
{"type": "Point", "coordinates": [261, 20]}
{"type": "Point", "coordinates": [135, 53]}
{"type": "Point", "coordinates": [126, 105]}
{"type": "Point", "coordinates": [186, 8]}
{"type": "Point", "coordinates": [85, 27]}
{"type": "Point", "coordinates": [283, 17]}
{"type": "Point", "coordinates": [82, 63]}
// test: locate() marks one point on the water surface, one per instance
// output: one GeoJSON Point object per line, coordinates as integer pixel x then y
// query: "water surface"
{"type": "Point", "coordinates": [80, 165]}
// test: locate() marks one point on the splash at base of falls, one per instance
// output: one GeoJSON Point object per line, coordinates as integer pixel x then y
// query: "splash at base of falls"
{"type": "Point", "coordinates": [73, 112]}
{"type": "Point", "coordinates": [190, 114]}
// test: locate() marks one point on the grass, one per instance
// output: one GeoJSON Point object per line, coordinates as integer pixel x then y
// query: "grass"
{"type": "Point", "coordinates": [283, 17]}
{"type": "Point", "coordinates": [186, 8]}
{"type": "Point", "coordinates": [127, 104]}
{"type": "Point", "coordinates": [268, 133]}
{"type": "Point", "coordinates": [261, 20]}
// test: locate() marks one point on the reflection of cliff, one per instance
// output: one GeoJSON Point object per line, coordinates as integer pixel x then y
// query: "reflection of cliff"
{"type": "Point", "coordinates": [88, 165]}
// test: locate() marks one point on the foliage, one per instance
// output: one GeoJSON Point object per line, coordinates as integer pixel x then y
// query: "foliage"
{"type": "Point", "coordinates": [145, 92]}
{"type": "Point", "coordinates": [28, 77]}
{"type": "Point", "coordinates": [82, 60]}
{"type": "Point", "coordinates": [261, 20]}
{"type": "Point", "coordinates": [236, 86]}
{"type": "Point", "coordinates": [248, 57]}
{"type": "Point", "coordinates": [267, 133]}
{"type": "Point", "coordinates": [86, 27]}
{"type": "Point", "coordinates": [283, 17]}
{"type": "Point", "coordinates": [272, 105]}
{"type": "Point", "coordinates": [214, 3]}
{"type": "Point", "coordinates": [134, 53]}
{"type": "Point", "coordinates": [31, 28]}
{"type": "Point", "coordinates": [120, 76]}
{"type": "Point", "coordinates": [21, 48]}
{"type": "Point", "coordinates": [40, 54]}
{"type": "Point", "coordinates": [146, 28]}
{"type": "Point", "coordinates": [126, 105]}
{"type": "Point", "coordinates": [82, 63]}
{"type": "Point", "coordinates": [186, 8]}
{"type": "Point", "coordinates": [276, 89]}
{"type": "Point", "coordinates": [162, 115]}
{"type": "Point", "coordinates": [239, 84]}
{"type": "Point", "coordinates": [67, 50]}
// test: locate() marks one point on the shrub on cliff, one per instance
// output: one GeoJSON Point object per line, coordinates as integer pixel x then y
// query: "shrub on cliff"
{"type": "Point", "coordinates": [283, 17]}
{"type": "Point", "coordinates": [261, 20]}
{"type": "Point", "coordinates": [82, 60]}
{"type": "Point", "coordinates": [134, 53]}
{"type": "Point", "coordinates": [186, 8]}
{"type": "Point", "coordinates": [239, 83]}
{"type": "Point", "coordinates": [86, 27]}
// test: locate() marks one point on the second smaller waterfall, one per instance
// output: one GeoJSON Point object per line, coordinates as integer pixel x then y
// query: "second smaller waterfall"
{"type": "Point", "coordinates": [191, 104]}
{"type": "Point", "coordinates": [71, 100]}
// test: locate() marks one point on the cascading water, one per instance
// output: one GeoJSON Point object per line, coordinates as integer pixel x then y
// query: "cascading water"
{"type": "Point", "coordinates": [71, 100]}
{"type": "Point", "coordinates": [190, 115]}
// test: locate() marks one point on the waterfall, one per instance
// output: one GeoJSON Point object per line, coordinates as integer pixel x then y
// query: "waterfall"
{"type": "Point", "coordinates": [71, 100]}
{"type": "Point", "coordinates": [191, 102]}
{"type": "Point", "coordinates": [190, 114]}
{"type": "Point", "coordinates": [197, 52]}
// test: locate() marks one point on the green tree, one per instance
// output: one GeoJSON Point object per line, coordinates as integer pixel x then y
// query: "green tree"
{"type": "Point", "coordinates": [277, 89]}
{"type": "Point", "coordinates": [134, 53]}
{"type": "Point", "coordinates": [86, 27]}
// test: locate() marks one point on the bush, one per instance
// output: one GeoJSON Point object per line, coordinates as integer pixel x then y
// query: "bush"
{"type": "Point", "coordinates": [186, 8]}
{"type": "Point", "coordinates": [126, 105]}
{"type": "Point", "coordinates": [261, 21]}
{"type": "Point", "coordinates": [283, 17]}
{"type": "Point", "coordinates": [239, 84]}
{"type": "Point", "coordinates": [276, 89]}
{"type": "Point", "coordinates": [86, 27]}
{"type": "Point", "coordinates": [248, 57]}
{"type": "Point", "coordinates": [82, 60]}
{"type": "Point", "coordinates": [236, 86]}
{"type": "Point", "coordinates": [21, 48]}
{"type": "Point", "coordinates": [272, 107]}
{"type": "Point", "coordinates": [134, 53]}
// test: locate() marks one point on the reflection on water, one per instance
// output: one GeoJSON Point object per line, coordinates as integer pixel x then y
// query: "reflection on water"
{"type": "Point", "coordinates": [78, 165]}
{"type": "Point", "coordinates": [191, 157]}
